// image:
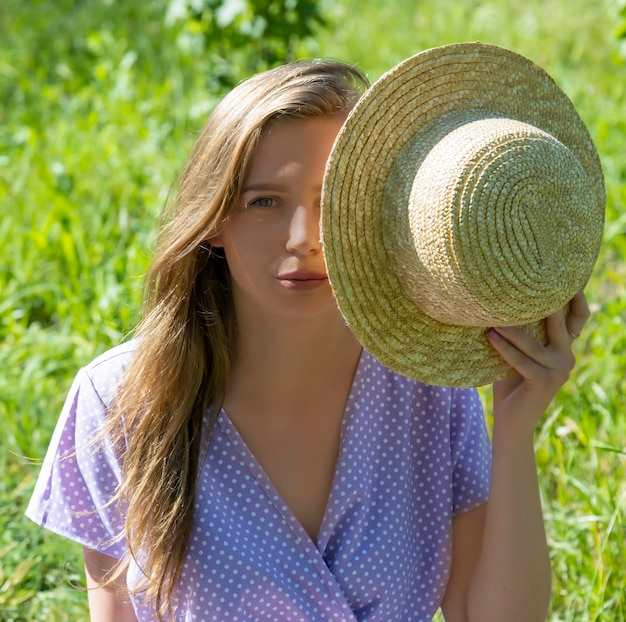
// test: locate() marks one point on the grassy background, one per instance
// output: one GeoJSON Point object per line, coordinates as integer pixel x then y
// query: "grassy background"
{"type": "Point", "coordinates": [99, 103]}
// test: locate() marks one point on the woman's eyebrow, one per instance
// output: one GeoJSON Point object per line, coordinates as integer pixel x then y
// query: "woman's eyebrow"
{"type": "Point", "coordinates": [264, 186]}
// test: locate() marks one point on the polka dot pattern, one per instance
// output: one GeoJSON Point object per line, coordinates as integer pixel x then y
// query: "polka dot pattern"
{"type": "Point", "coordinates": [411, 457]}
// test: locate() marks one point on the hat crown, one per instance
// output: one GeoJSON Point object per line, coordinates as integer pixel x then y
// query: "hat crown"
{"type": "Point", "coordinates": [482, 219]}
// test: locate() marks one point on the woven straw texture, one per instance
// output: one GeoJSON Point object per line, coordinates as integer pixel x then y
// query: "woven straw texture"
{"type": "Point", "coordinates": [463, 192]}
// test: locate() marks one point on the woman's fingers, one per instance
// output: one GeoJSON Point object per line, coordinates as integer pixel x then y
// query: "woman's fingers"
{"type": "Point", "coordinates": [522, 351]}
{"type": "Point", "coordinates": [560, 340]}
{"type": "Point", "coordinates": [548, 365]}
{"type": "Point", "coordinates": [521, 354]}
{"type": "Point", "coordinates": [541, 368]}
{"type": "Point", "coordinates": [562, 327]}
{"type": "Point", "coordinates": [577, 315]}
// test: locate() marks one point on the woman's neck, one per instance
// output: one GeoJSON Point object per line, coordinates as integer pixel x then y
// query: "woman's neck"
{"type": "Point", "coordinates": [289, 362]}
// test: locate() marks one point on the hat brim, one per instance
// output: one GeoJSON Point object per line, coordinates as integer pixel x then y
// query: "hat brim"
{"type": "Point", "coordinates": [403, 102]}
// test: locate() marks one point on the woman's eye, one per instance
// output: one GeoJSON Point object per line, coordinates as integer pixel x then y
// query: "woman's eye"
{"type": "Point", "coordinates": [261, 202]}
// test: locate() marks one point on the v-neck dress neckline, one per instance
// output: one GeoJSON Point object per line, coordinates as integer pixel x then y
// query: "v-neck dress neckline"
{"type": "Point", "coordinates": [259, 473]}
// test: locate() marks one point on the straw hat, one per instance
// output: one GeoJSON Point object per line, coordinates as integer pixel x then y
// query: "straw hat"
{"type": "Point", "coordinates": [463, 192]}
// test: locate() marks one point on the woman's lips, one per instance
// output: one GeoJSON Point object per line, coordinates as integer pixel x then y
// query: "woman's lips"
{"type": "Point", "coordinates": [302, 281]}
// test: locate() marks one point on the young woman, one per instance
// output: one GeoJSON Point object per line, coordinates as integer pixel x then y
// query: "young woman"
{"type": "Point", "coordinates": [243, 458]}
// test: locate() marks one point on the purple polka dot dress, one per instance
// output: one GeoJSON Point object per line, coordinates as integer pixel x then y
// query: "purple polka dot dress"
{"type": "Point", "coordinates": [411, 457]}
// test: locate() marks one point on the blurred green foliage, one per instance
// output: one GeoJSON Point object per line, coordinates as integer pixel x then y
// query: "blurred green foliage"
{"type": "Point", "coordinates": [620, 31]}
{"type": "Point", "coordinates": [245, 36]}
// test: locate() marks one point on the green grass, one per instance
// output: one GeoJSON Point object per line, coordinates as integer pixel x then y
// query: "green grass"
{"type": "Point", "coordinates": [101, 102]}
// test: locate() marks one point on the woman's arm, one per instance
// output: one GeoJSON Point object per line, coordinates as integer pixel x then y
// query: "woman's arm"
{"type": "Point", "coordinates": [467, 534]}
{"type": "Point", "coordinates": [512, 577]}
{"type": "Point", "coordinates": [500, 561]}
{"type": "Point", "coordinates": [110, 603]}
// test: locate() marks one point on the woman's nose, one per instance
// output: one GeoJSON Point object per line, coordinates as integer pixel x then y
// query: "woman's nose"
{"type": "Point", "coordinates": [304, 231]}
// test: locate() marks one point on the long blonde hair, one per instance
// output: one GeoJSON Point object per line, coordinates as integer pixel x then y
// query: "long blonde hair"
{"type": "Point", "coordinates": [179, 370]}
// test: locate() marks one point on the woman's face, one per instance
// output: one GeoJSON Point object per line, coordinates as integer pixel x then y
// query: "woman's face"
{"type": "Point", "coordinates": [272, 243]}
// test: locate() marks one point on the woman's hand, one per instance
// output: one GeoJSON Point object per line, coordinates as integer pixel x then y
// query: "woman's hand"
{"type": "Point", "coordinates": [520, 400]}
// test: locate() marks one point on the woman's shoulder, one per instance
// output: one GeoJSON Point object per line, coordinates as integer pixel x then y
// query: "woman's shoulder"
{"type": "Point", "coordinates": [117, 356]}
{"type": "Point", "coordinates": [104, 371]}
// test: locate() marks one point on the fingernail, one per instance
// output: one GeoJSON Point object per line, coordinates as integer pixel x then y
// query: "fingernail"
{"type": "Point", "coordinates": [494, 334]}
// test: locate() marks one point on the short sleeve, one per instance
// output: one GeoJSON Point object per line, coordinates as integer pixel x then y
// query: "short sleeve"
{"type": "Point", "coordinates": [471, 451]}
{"type": "Point", "coordinates": [80, 474]}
